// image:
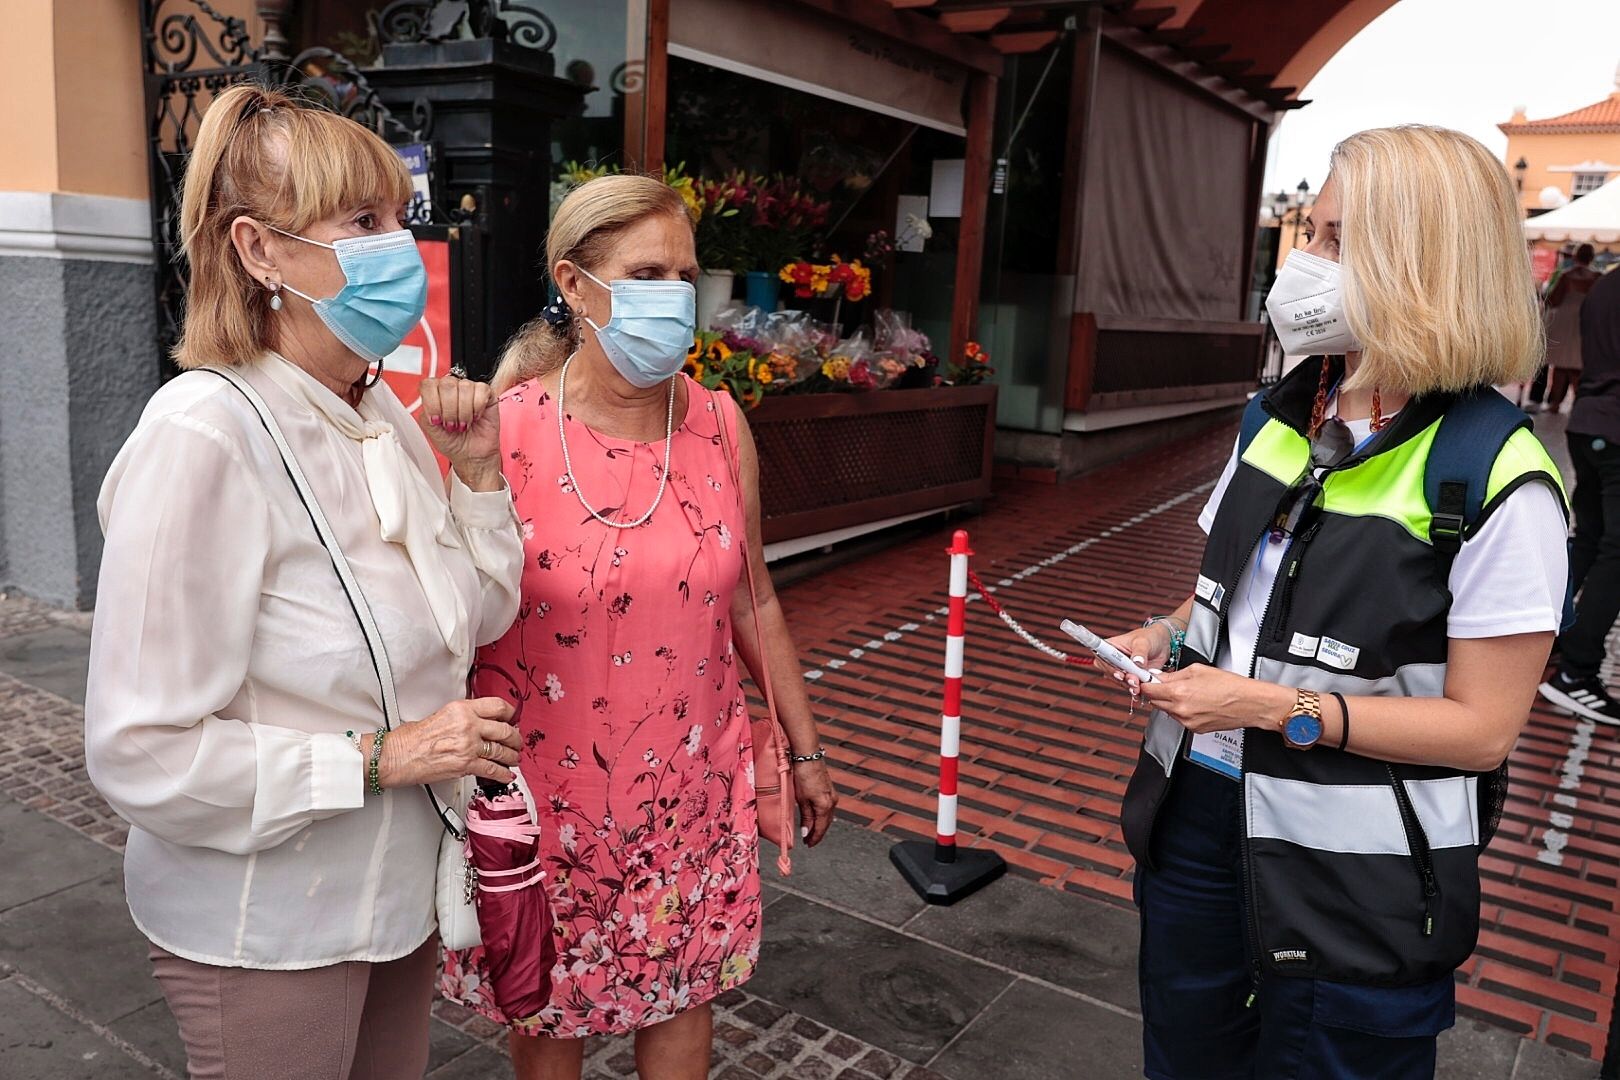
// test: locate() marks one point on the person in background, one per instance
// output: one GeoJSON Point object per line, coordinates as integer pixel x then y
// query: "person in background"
{"type": "Point", "coordinates": [282, 856]}
{"type": "Point", "coordinates": [1564, 300]}
{"type": "Point", "coordinates": [1594, 549]}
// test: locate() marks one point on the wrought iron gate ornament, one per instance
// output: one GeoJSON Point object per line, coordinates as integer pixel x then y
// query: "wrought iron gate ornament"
{"type": "Point", "coordinates": [446, 20]}
{"type": "Point", "coordinates": [190, 53]}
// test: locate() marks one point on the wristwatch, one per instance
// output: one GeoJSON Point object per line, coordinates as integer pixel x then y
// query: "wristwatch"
{"type": "Point", "coordinates": [1304, 725]}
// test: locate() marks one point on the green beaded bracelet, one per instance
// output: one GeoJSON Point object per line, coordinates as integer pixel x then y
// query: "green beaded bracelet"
{"type": "Point", "coordinates": [1178, 638]}
{"type": "Point", "coordinates": [374, 782]}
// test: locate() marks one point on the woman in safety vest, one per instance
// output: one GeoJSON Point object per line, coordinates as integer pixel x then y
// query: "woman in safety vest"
{"type": "Point", "coordinates": [1384, 574]}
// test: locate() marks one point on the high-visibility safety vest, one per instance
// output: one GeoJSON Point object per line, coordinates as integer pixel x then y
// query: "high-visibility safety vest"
{"type": "Point", "coordinates": [1355, 870]}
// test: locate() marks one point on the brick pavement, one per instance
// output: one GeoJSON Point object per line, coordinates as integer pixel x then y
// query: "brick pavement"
{"type": "Point", "coordinates": [42, 761]}
{"type": "Point", "coordinates": [1047, 750]}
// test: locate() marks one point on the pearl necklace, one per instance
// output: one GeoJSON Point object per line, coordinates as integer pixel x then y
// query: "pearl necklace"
{"type": "Point", "coordinates": [568, 465]}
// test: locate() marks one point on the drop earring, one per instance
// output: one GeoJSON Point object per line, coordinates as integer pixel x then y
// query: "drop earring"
{"type": "Point", "coordinates": [275, 294]}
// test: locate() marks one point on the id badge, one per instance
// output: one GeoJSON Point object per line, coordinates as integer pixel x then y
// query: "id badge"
{"type": "Point", "coordinates": [1218, 751]}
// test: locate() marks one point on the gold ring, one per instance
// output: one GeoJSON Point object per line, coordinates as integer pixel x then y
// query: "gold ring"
{"type": "Point", "coordinates": [487, 751]}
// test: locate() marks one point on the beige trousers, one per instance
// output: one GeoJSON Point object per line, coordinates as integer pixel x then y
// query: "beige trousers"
{"type": "Point", "coordinates": [350, 1021]}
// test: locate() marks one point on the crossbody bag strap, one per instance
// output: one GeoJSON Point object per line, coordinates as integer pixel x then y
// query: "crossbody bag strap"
{"type": "Point", "coordinates": [351, 585]}
{"type": "Point", "coordinates": [721, 403]}
{"type": "Point", "coordinates": [783, 749]}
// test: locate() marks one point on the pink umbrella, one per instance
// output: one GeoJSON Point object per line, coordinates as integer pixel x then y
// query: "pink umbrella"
{"type": "Point", "coordinates": [514, 912]}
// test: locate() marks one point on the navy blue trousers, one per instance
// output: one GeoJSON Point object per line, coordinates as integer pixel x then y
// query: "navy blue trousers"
{"type": "Point", "coordinates": [1196, 978]}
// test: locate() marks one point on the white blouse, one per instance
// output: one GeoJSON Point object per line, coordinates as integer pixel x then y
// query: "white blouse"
{"type": "Point", "coordinates": [226, 666]}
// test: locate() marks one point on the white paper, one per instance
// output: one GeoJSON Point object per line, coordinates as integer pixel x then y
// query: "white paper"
{"type": "Point", "coordinates": [945, 192]}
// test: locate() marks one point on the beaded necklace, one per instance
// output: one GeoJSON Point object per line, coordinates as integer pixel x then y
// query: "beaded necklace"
{"type": "Point", "coordinates": [568, 464]}
{"type": "Point", "coordinates": [1319, 407]}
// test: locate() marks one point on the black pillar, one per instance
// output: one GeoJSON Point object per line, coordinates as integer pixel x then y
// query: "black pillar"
{"type": "Point", "coordinates": [491, 105]}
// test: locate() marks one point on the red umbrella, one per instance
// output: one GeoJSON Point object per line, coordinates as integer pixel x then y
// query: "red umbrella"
{"type": "Point", "coordinates": [514, 912]}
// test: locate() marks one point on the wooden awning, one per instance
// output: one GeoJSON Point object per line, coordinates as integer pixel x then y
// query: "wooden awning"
{"type": "Point", "coordinates": [1267, 58]}
{"type": "Point", "coordinates": [793, 45]}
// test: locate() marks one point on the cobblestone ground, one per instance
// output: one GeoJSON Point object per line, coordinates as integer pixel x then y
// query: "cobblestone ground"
{"type": "Point", "coordinates": [753, 1040]}
{"type": "Point", "coordinates": [42, 767]}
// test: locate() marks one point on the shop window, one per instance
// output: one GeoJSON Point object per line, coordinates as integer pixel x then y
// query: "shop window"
{"type": "Point", "coordinates": [875, 174]}
{"type": "Point", "coordinates": [1024, 284]}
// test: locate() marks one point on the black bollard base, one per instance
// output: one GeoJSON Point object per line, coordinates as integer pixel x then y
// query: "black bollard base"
{"type": "Point", "coordinates": [945, 883]}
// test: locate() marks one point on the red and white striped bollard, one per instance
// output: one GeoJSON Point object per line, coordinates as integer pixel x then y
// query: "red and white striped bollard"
{"type": "Point", "coordinates": [950, 723]}
{"type": "Point", "coordinates": [945, 874]}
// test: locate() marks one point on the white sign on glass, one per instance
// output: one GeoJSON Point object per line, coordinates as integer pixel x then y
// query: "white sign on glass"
{"type": "Point", "coordinates": [945, 192]}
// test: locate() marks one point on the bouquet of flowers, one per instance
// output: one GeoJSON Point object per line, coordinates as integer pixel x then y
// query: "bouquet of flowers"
{"type": "Point", "coordinates": [786, 218]}
{"type": "Point", "coordinates": [903, 352]}
{"type": "Point", "coordinates": [725, 222]}
{"type": "Point", "coordinates": [878, 246]}
{"type": "Point", "coordinates": [716, 364]}
{"type": "Point", "coordinates": [836, 279]}
{"type": "Point", "coordinates": [973, 369]}
{"type": "Point", "coordinates": [573, 173]}
{"type": "Point", "coordinates": [789, 343]}
{"type": "Point", "coordinates": [853, 366]}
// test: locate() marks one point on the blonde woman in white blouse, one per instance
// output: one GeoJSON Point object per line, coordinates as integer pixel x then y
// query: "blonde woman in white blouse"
{"type": "Point", "coordinates": [286, 883]}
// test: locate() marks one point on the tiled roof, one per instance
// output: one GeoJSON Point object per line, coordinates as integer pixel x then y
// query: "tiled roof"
{"type": "Point", "coordinates": [1603, 116]}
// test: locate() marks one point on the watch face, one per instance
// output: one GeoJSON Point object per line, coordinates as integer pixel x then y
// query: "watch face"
{"type": "Point", "coordinates": [1303, 729]}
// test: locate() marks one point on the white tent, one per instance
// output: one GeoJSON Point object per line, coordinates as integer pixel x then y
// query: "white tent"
{"type": "Point", "coordinates": [1593, 219]}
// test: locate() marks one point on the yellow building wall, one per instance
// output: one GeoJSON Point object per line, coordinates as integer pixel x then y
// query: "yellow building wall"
{"type": "Point", "coordinates": [1293, 233]}
{"type": "Point", "coordinates": [28, 90]}
{"type": "Point", "coordinates": [1542, 152]}
{"type": "Point", "coordinates": [74, 116]}
{"type": "Point", "coordinates": [100, 130]}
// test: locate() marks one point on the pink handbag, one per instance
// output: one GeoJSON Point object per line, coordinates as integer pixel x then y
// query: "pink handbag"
{"type": "Point", "coordinates": [773, 772]}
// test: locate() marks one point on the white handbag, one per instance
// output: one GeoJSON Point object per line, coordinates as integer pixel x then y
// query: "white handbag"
{"type": "Point", "coordinates": [457, 883]}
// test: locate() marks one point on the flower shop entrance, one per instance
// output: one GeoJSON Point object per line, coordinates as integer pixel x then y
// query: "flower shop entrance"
{"type": "Point", "coordinates": [828, 166]}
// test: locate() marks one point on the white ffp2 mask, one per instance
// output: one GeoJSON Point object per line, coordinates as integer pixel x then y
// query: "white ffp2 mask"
{"type": "Point", "coordinates": [1306, 304]}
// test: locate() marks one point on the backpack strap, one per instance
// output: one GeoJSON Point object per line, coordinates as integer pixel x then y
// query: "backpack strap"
{"type": "Point", "coordinates": [1458, 471]}
{"type": "Point", "coordinates": [1255, 417]}
{"type": "Point", "coordinates": [1471, 435]}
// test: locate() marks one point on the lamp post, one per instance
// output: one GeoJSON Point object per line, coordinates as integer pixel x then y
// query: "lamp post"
{"type": "Point", "coordinates": [1520, 167]}
{"type": "Point", "coordinates": [1290, 210]}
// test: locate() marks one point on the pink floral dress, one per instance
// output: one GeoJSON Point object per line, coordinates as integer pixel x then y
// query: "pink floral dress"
{"type": "Point", "coordinates": [622, 670]}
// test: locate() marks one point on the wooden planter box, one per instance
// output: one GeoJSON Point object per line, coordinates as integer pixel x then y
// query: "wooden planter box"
{"type": "Point", "coordinates": [834, 461]}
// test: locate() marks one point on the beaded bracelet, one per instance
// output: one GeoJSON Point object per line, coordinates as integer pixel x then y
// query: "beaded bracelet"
{"type": "Point", "coordinates": [1178, 638]}
{"type": "Point", "coordinates": [802, 759]}
{"type": "Point", "coordinates": [374, 782]}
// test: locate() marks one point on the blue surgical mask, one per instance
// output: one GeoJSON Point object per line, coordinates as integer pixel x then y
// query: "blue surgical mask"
{"type": "Point", "coordinates": [384, 292]}
{"type": "Point", "coordinates": [651, 330]}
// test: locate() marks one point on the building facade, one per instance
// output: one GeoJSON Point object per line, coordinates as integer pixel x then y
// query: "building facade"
{"type": "Point", "coordinates": [1117, 300]}
{"type": "Point", "coordinates": [79, 356]}
{"type": "Point", "coordinates": [1557, 159]}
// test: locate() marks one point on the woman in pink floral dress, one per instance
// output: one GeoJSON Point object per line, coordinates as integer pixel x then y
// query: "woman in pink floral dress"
{"type": "Point", "coordinates": [623, 663]}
